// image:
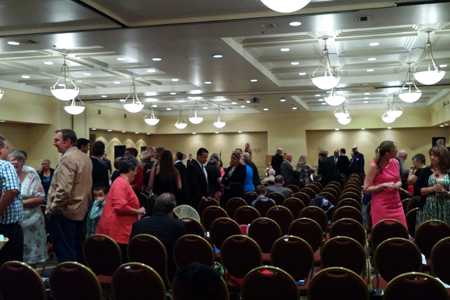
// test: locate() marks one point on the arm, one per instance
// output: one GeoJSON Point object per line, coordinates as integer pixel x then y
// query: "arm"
{"type": "Point", "coordinates": [412, 178]}
{"type": "Point", "coordinates": [178, 180]}
{"type": "Point", "coordinates": [152, 178]}
{"type": "Point", "coordinates": [239, 175]}
{"type": "Point", "coordinates": [120, 201]}
{"type": "Point", "coordinates": [36, 192]}
{"type": "Point", "coordinates": [62, 183]}
{"type": "Point", "coordinates": [369, 187]}
{"type": "Point", "coordinates": [422, 182]}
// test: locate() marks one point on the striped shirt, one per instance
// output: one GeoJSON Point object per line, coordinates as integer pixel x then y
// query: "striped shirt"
{"type": "Point", "coordinates": [9, 180]}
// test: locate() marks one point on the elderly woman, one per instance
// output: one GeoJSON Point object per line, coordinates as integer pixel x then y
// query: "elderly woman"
{"type": "Point", "coordinates": [33, 225]}
{"type": "Point", "coordinates": [305, 170]}
{"type": "Point", "coordinates": [121, 208]}
{"type": "Point", "coordinates": [233, 179]}
{"type": "Point", "coordinates": [46, 175]}
{"type": "Point", "coordinates": [214, 176]}
{"type": "Point", "coordinates": [248, 183]}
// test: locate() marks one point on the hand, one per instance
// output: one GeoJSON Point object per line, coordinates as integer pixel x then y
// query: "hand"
{"type": "Point", "coordinates": [141, 211]}
{"type": "Point", "coordinates": [389, 185]}
{"type": "Point", "coordinates": [412, 168]}
{"type": "Point", "coordinates": [397, 185]}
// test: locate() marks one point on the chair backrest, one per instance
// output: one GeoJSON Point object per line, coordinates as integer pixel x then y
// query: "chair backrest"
{"type": "Point", "coordinates": [294, 255]}
{"type": "Point", "coordinates": [352, 189]}
{"type": "Point", "coordinates": [277, 197]}
{"type": "Point", "coordinates": [411, 217]}
{"type": "Point", "coordinates": [440, 260]}
{"type": "Point", "coordinates": [263, 205]}
{"type": "Point", "coordinates": [348, 212]}
{"type": "Point", "coordinates": [306, 199]}
{"type": "Point", "coordinates": [102, 254]}
{"type": "Point", "coordinates": [334, 190]}
{"type": "Point", "coordinates": [212, 213]}
{"type": "Point", "coordinates": [184, 290]}
{"type": "Point", "coordinates": [340, 283]}
{"type": "Point", "coordinates": [396, 256]}
{"type": "Point", "coordinates": [184, 210]}
{"type": "Point", "coordinates": [204, 203]}
{"type": "Point", "coordinates": [429, 233]}
{"type": "Point", "coordinates": [221, 229]}
{"type": "Point", "coordinates": [315, 187]}
{"type": "Point", "coordinates": [265, 232]}
{"type": "Point", "coordinates": [240, 254]}
{"type": "Point", "coordinates": [309, 191]}
{"type": "Point", "coordinates": [316, 183]}
{"type": "Point", "coordinates": [309, 230]}
{"type": "Point", "coordinates": [250, 197]}
{"type": "Point", "coordinates": [20, 281]}
{"type": "Point", "coordinates": [415, 286]}
{"type": "Point", "coordinates": [335, 183]}
{"type": "Point", "coordinates": [329, 196]}
{"type": "Point", "coordinates": [193, 226]}
{"type": "Point", "coordinates": [233, 204]}
{"type": "Point", "coordinates": [344, 177]}
{"type": "Point", "coordinates": [282, 215]}
{"type": "Point", "coordinates": [138, 282]}
{"type": "Point", "coordinates": [342, 251]}
{"type": "Point", "coordinates": [295, 205]}
{"type": "Point", "coordinates": [385, 229]}
{"type": "Point", "coordinates": [353, 195]}
{"type": "Point", "coordinates": [192, 248]}
{"type": "Point", "coordinates": [350, 228]}
{"type": "Point", "coordinates": [350, 202]}
{"type": "Point", "coordinates": [293, 188]}
{"type": "Point", "coordinates": [74, 281]}
{"type": "Point", "coordinates": [405, 204]}
{"type": "Point", "coordinates": [268, 283]}
{"type": "Point", "coordinates": [138, 251]}
{"type": "Point", "coordinates": [246, 215]}
{"type": "Point", "coordinates": [317, 214]}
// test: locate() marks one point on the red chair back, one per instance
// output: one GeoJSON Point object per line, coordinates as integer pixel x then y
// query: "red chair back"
{"type": "Point", "coordinates": [233, 204]}
{"type": "Point", "coordinates": [282, 216]}
{"type": "Point", "coordinates": [329, 196]}
{"type": "Point", "coordinates": [293, 188]}
{"type": "Point", "coordinates": [306, 199]}
{"type": "Point", "coordinates": [316, 188]}
{"type": "Point", "coordinates": [102, 254]}
{"type": "Point", "coordinates": [349, 228]}
{"type": "Point", "coordinates": [317, 214]}
{"type": "Point", "coordinates": [343, 252]}
{"type": "Point", "coordinates": [440, 260]}
{"type": "Point", "coordinates": [277, 197]}
{"type": "Point", "coordinates": [411, 217]}
{"type": "Point", "coordinates": [265, 232]}
{"type": "Point", "coordinates": [295, 205]}
{"type": "Point", "coordinates": [429, 233]}
{"type": "Point", "coordinates": [212, 213]}
{"type": "Point", "coordinates": [246, 215]}
{"type": "Point", "coordinates": [309, 191]}
{"type": "Point", "coordinates": [309, 230]}
{"type": "Point", "coordinates": [415, 286]}
{"type": "Point", "coordinates": [193, 226]}
{"type": "Point", "coordinates": [240, 254]}
{"type": "Point", "coordinates": [250, 197]}
{"type": "Point", "coordinates": [263, 205]}
{"type": "Point", "coordinates": [221, 229]}
{"type": "Point", "coordinates": [20, 281]}
{"type": "Point", "coordinates": [348, 212]}
{"type": "Point", "coordinates": [350, 202]}
{"type": "Point", "coordinates": [204, 203]}
{"type": "Point", "coordinates": [388, 228]}
{"type": "Point", "coordinates": [192, 248]}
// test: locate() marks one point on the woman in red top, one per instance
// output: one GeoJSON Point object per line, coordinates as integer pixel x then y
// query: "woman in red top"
{"type": "Point", "coordinates": [122, 206]}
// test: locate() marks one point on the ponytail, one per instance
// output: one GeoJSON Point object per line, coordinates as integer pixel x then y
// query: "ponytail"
{"type": "Point", "coordinates": [380, 152]}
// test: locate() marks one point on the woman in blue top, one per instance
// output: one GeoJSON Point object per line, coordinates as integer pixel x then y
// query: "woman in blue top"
{"type": "Point", "coordinates": [248, 183]}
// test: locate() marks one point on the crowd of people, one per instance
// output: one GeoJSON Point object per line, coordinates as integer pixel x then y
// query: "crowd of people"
{"type": "Point", "coordinates": [84, 196]}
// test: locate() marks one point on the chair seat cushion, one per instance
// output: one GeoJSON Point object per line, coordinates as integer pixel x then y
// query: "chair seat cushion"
{"type": "Point", "coordinates": [105, 281]}
{"type": "Point", "coordinates": [233, 287]}
{"type": "Point", "coordinates": [266, 258]}
{"type": "Point", "coordinates": [382, 283]}
{"type": "Point", "coordinates": [317, 258]}
{"type": "Point", "coordinates": [303, 289]}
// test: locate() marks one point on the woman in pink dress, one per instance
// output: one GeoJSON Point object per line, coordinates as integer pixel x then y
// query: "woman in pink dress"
{"type": "Point", "coordinates": [383, 182]}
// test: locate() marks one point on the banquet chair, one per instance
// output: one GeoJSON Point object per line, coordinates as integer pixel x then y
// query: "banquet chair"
{"type": "Point", "coordinates": [343, 251]}
{"type": "Point", "coordinates": [204, 203]}
{"type": "Point", "coordinates": [262, 206]}
{"type": "Point", "coordinates": [277, 197]}
{"type": "Point", "coordinates": [265, 232]}
{"type": "Point", "coordinates": [350, 202]}
{"type": "Point", "coordinates": [309, 191]}
{"type": "Point", "coordinates": [246, 215]}
{"type": "Point", "coordinates": [317, 214]}
{"type": "Point", "coordinates": [20, 281]}
{"type": "Point", "coordinates": [415, 286]}
{"type": "Point", "coordinates": [282, 216]}
{"type": "Point", "coordinates": [250, 197]}
{"type": "Point", "coordinates": [183, 290]}
{"type": "Point", "coordinates": [429, 233]}
{"type": "Point", "coordinates": [293, 188]}
{"type": "Point", "coordinates": [193, 226]}
{"type": "Point", "coordinates": [411, 217]}
{"type": "Point", "coordinates": [306, 199]}
{"type": "Point", "coordinates": [348, 212]}
{"type": "Point", "coordinates": [385, 229]}
{"type": "Point", "coordinates": [221, 229]}
{"type": "Point", "coordinates": [316, 188]}
{"type": "Point", "coordinates": [349, 228]}
{"type": "Point", "coordinates": [440, 260]}
{"type": "Point", "coordinates": [192, 248]}
{"type": "Point", "coordinates": [295, 205]}
{"type": "Point", "coordinates": [329, 196]}
{"type": "Point", "coordinates": [233, 204]}
{"type": "Point", "coordinates": [212, 213]}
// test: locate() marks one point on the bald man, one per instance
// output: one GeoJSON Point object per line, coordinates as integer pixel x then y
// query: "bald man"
{"type": "Point", "coordinates": [286, 169]}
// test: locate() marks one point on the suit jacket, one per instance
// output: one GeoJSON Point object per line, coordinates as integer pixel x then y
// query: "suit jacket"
{"type": "Point", "coordinates": [234, 184]}
{"type": "Point", "coordinates": [99, 173]}
{"type": "Point", "coordinates": [279, 189]}
{"type": "Point", "coordinates": [277, 160]}
{"type": "Point", "coordinates": [357, 163]}
{"type": "Point", "coordinates": [181, 194]}
{"type": "Point", "coordinates": [286, 172]}
{"type": "Point", "coordinates": [343, 164]}
{"type": "Point", "coordinates": [329, 171]}
{"type": "Point", "coordinates": [197, 186]}
{"type": "Point", "coordinates": [70, 192]}
{"type": "Point", "coordinates": [256, 180]}
{"type": "Point", "coordinates": [168, 230]}
{"type": "Point", "coordinates": [189, 161]}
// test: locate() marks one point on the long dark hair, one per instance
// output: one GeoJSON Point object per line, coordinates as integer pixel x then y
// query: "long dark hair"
{"type": "Point", "coordinates": [167, 171]}
{"type": "Point", "coordinates": [385, 147]}
{"type": "Point", "coordinates": [444, 157]}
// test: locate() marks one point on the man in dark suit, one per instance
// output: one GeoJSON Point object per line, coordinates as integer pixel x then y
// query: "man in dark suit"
{"type": "Point", "coordinates": [197, 179]}
{"type": "Point", "coordinates": [286, 169]}
{"type": "Point", "coordinates": [188, 162]}
{"type": "Point", "coordinates": [179, 165]}
{"type": "Point", "coordinates": [163, 226]}
{"type": "Point", "coordinates": [343, 163]}
{"type": "Point", "coordinates": [328, 169]}
{"type": "Point", "coordinates": [277, 160]}
{"type": "Point", "coordinates": [100, 174]}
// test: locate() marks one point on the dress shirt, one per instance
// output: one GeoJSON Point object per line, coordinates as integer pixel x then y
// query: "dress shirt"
{"type": "Point", "coordinates": [9, 180]}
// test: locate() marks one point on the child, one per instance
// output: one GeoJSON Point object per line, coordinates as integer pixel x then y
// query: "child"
{"type": "Point", "coordinates": [99, 192]}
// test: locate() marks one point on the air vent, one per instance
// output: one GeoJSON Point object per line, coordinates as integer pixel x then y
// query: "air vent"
{"type": "Point", "coordinates": [29, 42]}
{"type": "Point", "coordinates": [267, 25]}
{"type": "Point", "coordinates": [363, 19]}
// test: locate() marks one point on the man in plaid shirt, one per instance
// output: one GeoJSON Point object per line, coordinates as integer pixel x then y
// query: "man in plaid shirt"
{"type": "Point", "coordinates": [11, 208]}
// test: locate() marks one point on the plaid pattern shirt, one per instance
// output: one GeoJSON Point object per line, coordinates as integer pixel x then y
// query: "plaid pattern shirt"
{"type": "Point", "coordinates": [9, 180]}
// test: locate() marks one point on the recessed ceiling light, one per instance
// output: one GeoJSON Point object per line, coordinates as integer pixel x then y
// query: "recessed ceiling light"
{"type": "Point", "coordinates": [266, 109]}
{"type": "Point", "coordinates": [369, 70]}
{"type": "Point", "coordinates": [366, 98]}
{"type": "Point", "coordinates": [285, 49]}
{"type": "Point", "coordinates": [208, 82]}
{"type": "Point", "coordinates": [181, 101]}
{"type": "Point", "coordinates": [442, 66]}
{"type": "Point", "coordinates": [117, 82]}
{"type": "Point", "coordinates": [371, 58]}
{"type": "Point", "coordinates": [93, 128]}
{"type": "Point", "coordinates": [302, 73]}
{"type": "Point", "coordinates": [148, 133]}
{"type": "Point", "coordinates": [320, 100]}
{"type": "Point", "coordinates": [216, 132]}
{"type": "Point", "coordinates": [239, 131]}
{"type": "Point", "coordinates": [61, 84]}
{"type": "Point", "coordinates": [217, 55]}
{"type": "Point", "coordinates": [168, 108]}
{"type": "Point", "coordinates": [173, 93]}
{"type": "Point", "coordinates": [123, 131]}
{"type": "Point", "coordinates": [324, 104]}
{"type": "Point", "coordinates": [205, 107]}
{"type": "Point", "coordinates": [248, 101]}
{"type": "Point", "coordinates": [295, 23]}
{"type": "Point", "coordinates": [103, 96]}
{"type": "Point", "coordinates": [194, 133]}
{"type": "Point", "coordinates": [151, 70]}
{"type": "Point", "coordinates": [121, 58]}
{"type": "Point", "coordinates": [87, 74]}
{"type": "Point", "coordinates": [196, 92]}
{"type": "Point", "coordinates": [253, 80]}
{"type": "Point", "coordinates": [150, 94]}
{"type": "Point", "coordinates": [109, 130]}
{"type": "Point", "coordinates": [242, 106]}
{"type": "Point", "coordinates": [13, 43]}
{"type": "Point", "coordinates": [295, 63]}
{"type": "Point", "coordinates": [317, 95]}
{"type": "Point", "coordinates": [389, 127]}
{"type": "Point", "coordinates": [363, 129]}
{"type": "Point", "coordinates": [137, 132]}
{"type": "Point", "coordinates": [374, 44]}
{"type": "Point", "coordinates": [282, 99]}
{"type": "Point", "coordinates": [233, 102]}
{"type": "Point", "coordinates": [365, 102]}
{"type": "Point", "coordinates": [2, 121]}
{"type": "Point", "coordinates": [294, 108]}
{"type": "Point", "coordinates": [175, 79]}
{"type": "Point", "coordinates": [26, 76]}
{"type": "Point", "coordinates": [337, 129]}
{"type": "Point", "coordinates": [154, 105]}
{"type": "Point", "coordinates": [48, 63]}
{"type": "Point", "coordinates": [156, 59]}
{"type": "Point", "coordinates": [441, 125]}
{"type": "Point", "coordinates": [366, 94]}
{"type": "Point", "coordinates": [446, 124]}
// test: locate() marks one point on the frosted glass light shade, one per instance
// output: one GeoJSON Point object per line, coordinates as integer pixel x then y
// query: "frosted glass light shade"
{"type": "Point", "coordinates": [429, 77]}
{"type": "Point", "coordinates": [134, 107]}
{"type": "Point", "coordinates": [410, 96]}
{"type": "Point", "coordinates": [325, 82]}
{"type": "Point", "coordinates": [219, 124]}
{"type": "Point", "coordinates": [64, 94]}
{"type": "Point", "coordinates": [334, 100]}
{"type": "Point", "coordinates": [341, 113]}
{"type": "Point", "coordinates": [74, 109]}
{"type": "Point", "coordinates": [285, 6]}
{"type": "Point", "coordinates": [151, 120]}
{"type": "Point", "coordinates": [395, 112]}
{"type": "Point", "coordinates": [2, 92]}
{"type": "Point", "coordinates": [387, 119]}
{"type": "Point", "coordinates": [345, 121]}
{"type": "Point", "coordinates": [180, 124]}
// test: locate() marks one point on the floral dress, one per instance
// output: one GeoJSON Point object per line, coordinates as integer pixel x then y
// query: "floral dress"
{"type": "Point", "coordinates": [33, 225]}
{"type": "Point", "coordinates": [435, 208]}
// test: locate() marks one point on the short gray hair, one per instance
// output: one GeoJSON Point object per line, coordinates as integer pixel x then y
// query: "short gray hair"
{"type": "Point", "coordinates": [246, 157]}
{"type": "Point", "coordinates": [68, 134]}
{"type": "Point", "coordinates": [165, 203]}
{"type": "Point", "coordinates": [128, 163]}
{"type": "Point", "coordinates": [47, 160]}
{"type": "Point", "coordinates": [18, 155]}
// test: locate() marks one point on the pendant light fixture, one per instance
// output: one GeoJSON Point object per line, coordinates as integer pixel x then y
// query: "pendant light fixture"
{"type": "Point", "coordinates": [65, 89]}
{"type": "Point", "coordinates": [285, 6]}
{"type": "Point", "coordinates": [386, 118]}
{"type": "Point", "coordinates": [430, 76]}
{"type": "Point", "coordinates": [2, 92]}
{"type": "Point", "coordinates": [219, 123]}
{"type": "Point", "coordinates": [151, 119]}
{"type": "Point", "coordinates": [407, 94]}
{"type": "Point", "coordinates": [74, 109]}
{"type": "Point", "coordinates": [395, 111]}
{"type": "Point", "coordinates": [329, 80]}
{"type": "Point", "coordinates": [134, 105]}
{"type": "Point", "coordinates": [196, 117]}
{"type": "Point", "coordinates": [345, 121]}
{"type": "Point", "coordinates": [341, 112]}
{"type": "Point", "coordinates": [333, 99]}
{"type": "Point", "coordinates": [181, 122]}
